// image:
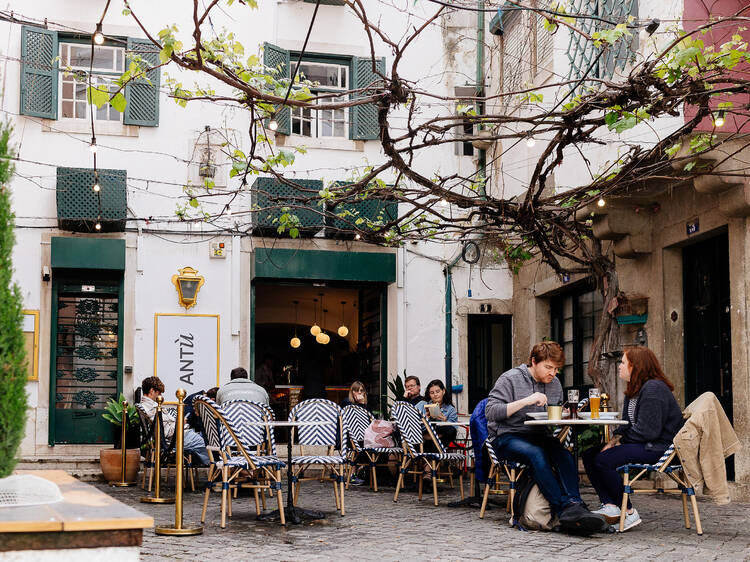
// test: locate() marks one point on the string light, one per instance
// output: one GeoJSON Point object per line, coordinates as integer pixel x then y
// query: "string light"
{"type": "Point", "coordinates": [92, 146]}
{"type": "Point", "coordinates": [98, 225]}
{"type": "Point", "coordinates": [357, 236]}
{"type": "Point", "coordinates": [273, 124]}
{"type": "Point", "coordinates": [720, 119]}
{"type": "Point", "coordinates": [601, 202]}
{"type": "Point", "coordinates": [98, 35]}
{"type": "Point", "coordinates": [530, 141]}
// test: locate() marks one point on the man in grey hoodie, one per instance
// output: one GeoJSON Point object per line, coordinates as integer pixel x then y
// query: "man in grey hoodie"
{"type": "Point", "coordinates": [529, 388]}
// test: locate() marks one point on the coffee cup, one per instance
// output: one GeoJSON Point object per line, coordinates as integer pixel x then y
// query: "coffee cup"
{"type": "Point", "coordinates": [554, 412]}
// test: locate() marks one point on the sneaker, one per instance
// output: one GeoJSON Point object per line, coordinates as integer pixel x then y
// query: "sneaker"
{"type": "Point", "coordinates": [356, 481]}
{"type": "Point", "coordinates": [631, 520]}
{"type": "Point", "coordinates": [575, 517]}
{"type": "Point", "coordinates": [611, 513]}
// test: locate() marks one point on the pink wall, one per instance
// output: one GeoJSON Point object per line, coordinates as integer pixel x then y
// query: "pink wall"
{"type": "Point", "coordinates": [697, 13]}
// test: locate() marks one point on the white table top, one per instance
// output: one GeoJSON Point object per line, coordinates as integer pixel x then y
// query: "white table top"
{"type": "Point", "coordinates": [578, 421]}
{"type": "Point", "coordinates": [285, 423]}
{"type": "Point", "coordinates": [455, 424]}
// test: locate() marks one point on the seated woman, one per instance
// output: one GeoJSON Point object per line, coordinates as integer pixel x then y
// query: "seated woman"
{"type": "Point", "coordinates": [655, 418]}
{"type": "Point", "coordinates": [443, 410]}
{"type": "Point", "coordinates": [357, 396]}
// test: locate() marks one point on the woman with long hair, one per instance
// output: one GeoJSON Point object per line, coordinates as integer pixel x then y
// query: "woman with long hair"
{"type": "Point", "coordinates": [357, 396]}
{"type": "Point", "coordinates": [653, 417]}
{"type": "Point", "coordinates": [442, 410]}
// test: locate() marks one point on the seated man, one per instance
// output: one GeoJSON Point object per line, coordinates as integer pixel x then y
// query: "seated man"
{"type": "Point", "coordinates": [413, 390]}
{"type": "Point", "coordinates": [193, 442]}
{"type": "Point", "coordinates": [528, 388]}
{"type": "Point", "coordinates": [240, 387]}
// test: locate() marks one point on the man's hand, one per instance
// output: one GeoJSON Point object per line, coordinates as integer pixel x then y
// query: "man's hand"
{"type": "Point", "coordinates": [537, 399]}
{"type": "Point", "coordinates": [406, 394]}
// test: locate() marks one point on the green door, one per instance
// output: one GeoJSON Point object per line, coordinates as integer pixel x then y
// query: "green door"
{"type": "Point", "coordinates": [86, 358]}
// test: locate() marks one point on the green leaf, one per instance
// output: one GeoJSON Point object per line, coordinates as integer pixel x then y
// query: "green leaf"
{"type": "Point", "coordinates": [98, 97]}
{"type": "Point", "coordinates": [194, 203]}
{"type": "Point", "coordinates": [118, 102]}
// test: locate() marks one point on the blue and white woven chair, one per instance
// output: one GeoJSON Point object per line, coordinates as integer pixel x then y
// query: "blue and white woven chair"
{"type": "Point", "coordinates": [330, 435]}
{"type": "Point", "coordinates": [664, 466]}
{"type": "Point", "coordinates": [411, 423]}
{"type": "Point", "coordinates": [356, 420]}
{"type": "Point", "coordinates": [147, 445]}
{"type": "Point", "coordinates": [236, 429]}
{"type": "Point", "coordinates": [513, 471]}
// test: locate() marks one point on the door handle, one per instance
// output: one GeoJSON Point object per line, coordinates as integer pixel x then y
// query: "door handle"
{"type": "Point", "coordinates": [84, 414]}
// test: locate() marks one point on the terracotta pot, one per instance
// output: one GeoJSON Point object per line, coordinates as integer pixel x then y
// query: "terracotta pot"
{"type": "Point", "coordinates": [111, 459]}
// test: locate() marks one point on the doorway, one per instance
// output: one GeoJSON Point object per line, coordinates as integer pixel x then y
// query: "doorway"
{"type": "Point", "coordinates": [490, 353]}
{"type": "Point", "coordinates": [708, 348]}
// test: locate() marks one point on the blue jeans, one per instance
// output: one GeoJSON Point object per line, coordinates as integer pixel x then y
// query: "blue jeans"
{"type": "Point", "coordinates": [194, 444]}
{"type": "Point", "coordinates": [601, 468]}
{"type": "Point", "coordinates": [552, 466]}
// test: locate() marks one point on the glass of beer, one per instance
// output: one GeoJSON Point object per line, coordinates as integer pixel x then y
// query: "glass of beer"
{"type": "Point", "coordinates": [573, 398]}
{"type": "Point", "coordinates": [594, 400]}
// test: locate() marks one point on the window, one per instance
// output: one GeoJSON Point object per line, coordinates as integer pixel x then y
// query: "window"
{"type": "Point", "coordinates": [328, 77]}
{"type": "Point", "coordinates": [575, 317]}
{"type": "Point", "coordinates": [107, 65]}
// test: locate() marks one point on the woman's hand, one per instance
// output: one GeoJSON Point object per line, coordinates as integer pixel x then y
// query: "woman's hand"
{"type": "Point", "coordinates": [614, 442]}
{"type": "Point", "coordinates": [440, 416]}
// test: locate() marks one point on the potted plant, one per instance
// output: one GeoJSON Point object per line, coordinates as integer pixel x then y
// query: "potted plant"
{"type": "Point", "coordinates": [111, 459]}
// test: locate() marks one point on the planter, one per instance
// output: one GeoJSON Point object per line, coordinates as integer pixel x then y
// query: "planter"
{"type": "Point", "coordinates": [111, 459]}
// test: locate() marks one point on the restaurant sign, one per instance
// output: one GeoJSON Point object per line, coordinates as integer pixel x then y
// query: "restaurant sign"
{"type": "Point", "coordinates": [186, 351]}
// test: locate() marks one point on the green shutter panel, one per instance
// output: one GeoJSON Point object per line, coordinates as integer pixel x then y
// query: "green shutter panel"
{"type": "Point", "coordinates": [274, 56]}
{"type": "Point", "coordinates": [39, 72]}
{"type": "Point", "coordinates": [364, 118]}
{"type": "Point", "coordinates": [143, 97]}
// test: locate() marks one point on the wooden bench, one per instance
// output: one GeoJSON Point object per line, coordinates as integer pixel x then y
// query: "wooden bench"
{"type": "Point", "coordinates": [85, 518]}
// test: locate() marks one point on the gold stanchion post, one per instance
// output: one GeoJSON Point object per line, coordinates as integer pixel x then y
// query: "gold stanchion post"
{"type": "Point", "coordinates": [123, 449]}
{"type": "Point", "coordinates": [605, 408]}
{"type": "Point", "coordinates": [156, 498]}
{"type": "Point", "coordinates": [178, 529]}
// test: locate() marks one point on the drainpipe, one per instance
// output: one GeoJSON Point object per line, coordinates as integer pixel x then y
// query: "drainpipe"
{"type": "Point", "coordinates": [449, 324]}
{"type": "Point", "coordinates": [481, 154]}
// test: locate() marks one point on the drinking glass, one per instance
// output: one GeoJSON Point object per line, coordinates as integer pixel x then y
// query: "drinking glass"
{"type": "Point", "coordinates": [573, 398]}
{"type": "Point", "coordinates": [594, 401]}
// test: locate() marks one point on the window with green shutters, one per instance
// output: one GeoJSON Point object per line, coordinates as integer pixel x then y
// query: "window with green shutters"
{"type": "Point", "coordinates": [361, 122]}
{"type": "Point", "coordinates": [79, 207]}
{"type": "Point", "coordinates": [47, 93]}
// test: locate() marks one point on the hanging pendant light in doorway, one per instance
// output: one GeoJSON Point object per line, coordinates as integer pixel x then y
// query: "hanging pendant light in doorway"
{"type": "Point", "coordinates": [322, 337]}
{"type": "Point", "coordinates": [295, 341]}
{"type": "Point", "coordinates": [315, 329]}
{"type": "Point", "coordinates": [343, 331]}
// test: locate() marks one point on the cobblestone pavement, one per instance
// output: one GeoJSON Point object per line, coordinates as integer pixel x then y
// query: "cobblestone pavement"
{"type": "Point", "coordinates": [375, 528]}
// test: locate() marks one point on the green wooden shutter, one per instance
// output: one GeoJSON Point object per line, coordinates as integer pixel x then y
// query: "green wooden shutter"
{"type": "Point", "coordinates": [364, 118]}
{"type": "Point", "coordinates": [143, 97]}
{"type": "Point", "coordinates": [39, 72]}
{"type": "Point", "coordinates": [274, 56]}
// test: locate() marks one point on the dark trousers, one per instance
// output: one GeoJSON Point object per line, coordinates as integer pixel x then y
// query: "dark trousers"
{"type": "Point", "coordinates": [552, 465]}
{"type": "Point", "coordinates": [601, 468]}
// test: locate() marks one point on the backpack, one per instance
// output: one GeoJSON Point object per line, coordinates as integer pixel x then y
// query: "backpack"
{"type": "Point", "coordinates": [531, 510]}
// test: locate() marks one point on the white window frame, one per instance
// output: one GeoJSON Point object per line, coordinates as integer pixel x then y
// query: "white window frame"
{"type": "Point", "coordinates": [315, 119]}
{"type": "Point", "coordinates": [100, 75]}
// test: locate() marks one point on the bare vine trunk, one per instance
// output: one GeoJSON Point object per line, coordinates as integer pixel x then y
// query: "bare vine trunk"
{"type": "Point", "coordinates": [606, 347]}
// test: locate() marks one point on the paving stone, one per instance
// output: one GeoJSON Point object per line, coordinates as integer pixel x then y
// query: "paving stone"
{"type": "Point", "coordinates": [376, 529]}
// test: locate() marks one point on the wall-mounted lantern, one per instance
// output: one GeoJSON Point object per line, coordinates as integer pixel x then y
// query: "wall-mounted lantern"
{"type": "Point", "coordinates": [187, 283]}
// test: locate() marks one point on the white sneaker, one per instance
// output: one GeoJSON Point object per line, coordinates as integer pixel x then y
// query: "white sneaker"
{"type": "Point", "coordinates": [611, 513]}
{"type": "Point", "coordinates": [631, 520]}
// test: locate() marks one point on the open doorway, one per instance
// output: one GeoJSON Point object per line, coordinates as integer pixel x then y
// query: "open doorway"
{"type": "Point", "coordinates": [490, 353]}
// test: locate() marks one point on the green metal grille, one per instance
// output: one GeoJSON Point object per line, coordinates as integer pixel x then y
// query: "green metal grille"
{"type": "Point", "coordinates": [371, 210]}
{"type": "Point", "coordinates": [582, 53]}
{"type": "Point", "coordinates": [270, 197]}
{"type": "Point", "coordinates": [78, 206]}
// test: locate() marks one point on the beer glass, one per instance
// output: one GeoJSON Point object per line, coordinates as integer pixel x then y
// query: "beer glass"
{"type": "Point", "coordinates": [573, 398]}
{"type": "Point", "coordinates": [594, 400]}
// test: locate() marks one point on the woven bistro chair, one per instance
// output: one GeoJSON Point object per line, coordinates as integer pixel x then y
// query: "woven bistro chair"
{"type": "Point", "coordinates": [147, 445]}
{"type": "Point", "coordinates": [330, 435]}
{"type": "Point", "coordinates": [664, 466]}
{"type": "Point", "coordinates": [233, 431]}
{"type": "Point", "coordinates": [513, 471]}
{"type": "Point", "coordinates": [410, 424]}
{"type": "Point", "coordinates": [356, 420]}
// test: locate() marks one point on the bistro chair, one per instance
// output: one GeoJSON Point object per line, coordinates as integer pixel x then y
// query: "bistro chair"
{"type": "Point", "coordinates": [233, 433]}
{"type": "Point", "coordinates": [356, 420]}
{"type": "Point", "coordinates": [410, 424]}
{"type": "Point", "coordinates": [513, 471]}
{"type": "Point", "coordinates": [663, 466]}
{"type": "Point", "coordinates": [147, 445]}
{"type": "Point", "coordinates": [329, 435]}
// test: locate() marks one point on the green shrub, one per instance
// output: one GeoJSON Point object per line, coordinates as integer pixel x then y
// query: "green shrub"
{"type": "Point", "coordinates": [12, 352]}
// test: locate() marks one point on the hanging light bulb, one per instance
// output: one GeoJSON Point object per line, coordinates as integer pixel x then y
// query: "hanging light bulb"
{"type": "Point", "coordinates": [295, 342]}
{"type": "Point", "coordinates": [357, 236]}
{"type": "Point", "coordinates": [315, 329]}
{"type": "Point", "coordinates": [720, 120]}
{"type": "Point", "coordinates": [92, 146]}
{"type": "Point", "coordinates": [273, 124]}
{"type": "Point", "coordinates": [98, 225]}
{"type": "Point", "coordinates": [601, 202]}
{"type": "Point", "coordinates": [327, 338]}
{"type": "Point", "coordinates": [530, 141]}
{"type": "Point", "coordinates": [343, 331]}
{"type": "Point", "coordinates": [321, 338]}
{"type": "Point", "coordinates": [98, 35]}
{"type": "Point", "coordinates": [97, 188]}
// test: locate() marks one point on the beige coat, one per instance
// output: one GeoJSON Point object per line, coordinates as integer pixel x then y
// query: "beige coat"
{"type": "Point", "coordinates": [703, 443]}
